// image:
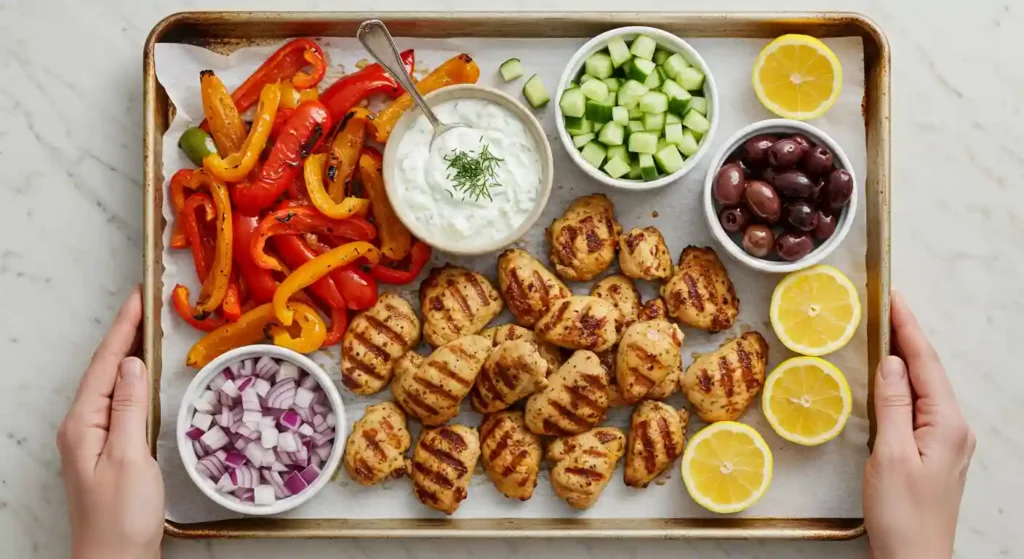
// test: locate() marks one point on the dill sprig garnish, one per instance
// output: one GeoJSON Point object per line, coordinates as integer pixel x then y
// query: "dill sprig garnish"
{"type": "Point", "coordinates": [475, 175]}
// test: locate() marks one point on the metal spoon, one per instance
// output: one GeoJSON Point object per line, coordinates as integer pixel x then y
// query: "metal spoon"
{"type": "Point", "coordinates": [378, 42]}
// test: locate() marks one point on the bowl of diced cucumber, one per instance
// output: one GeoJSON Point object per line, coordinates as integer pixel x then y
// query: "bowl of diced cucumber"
{"type": "Point", "coordinates": [636, 108]}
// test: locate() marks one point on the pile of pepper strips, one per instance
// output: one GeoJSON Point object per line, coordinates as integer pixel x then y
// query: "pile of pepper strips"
{"type": "Point", "coordinates": [294, 200]}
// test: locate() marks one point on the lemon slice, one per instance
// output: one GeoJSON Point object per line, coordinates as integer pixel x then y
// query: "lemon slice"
{"type": "Point", "coordinates": [807, 400]}
{"type": "Point", "coordinates": [815, 311]}
{"type": "Point", "coordinates": [798, 77]}
{"type": "Point", "coordinates": [727, 467]}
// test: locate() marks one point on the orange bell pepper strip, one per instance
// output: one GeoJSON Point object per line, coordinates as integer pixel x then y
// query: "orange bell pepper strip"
{"type": "Point", "coordinates": [180, 298]}
{"type": "Point", "coordinates": [252, 327]}
{"type": "Point", "coordinates": [177, 187]}
{"type": "Point", "coordinates": [317, 268]}
{"type": "Point", "coordinates": [226, 124]}
{"type": "Point", "coordinates": [345, 148]}
{"type": "Point", "coordinates": [312, 330]}
{"type": "Point", "coordinates": [460, 69]}
{"type": "Point", "coordinates": [292, 96]}
{"type": "Point", "coordinates": [231, 307]}
{"type": "Point", "coordinates": [237, 166]}
{"type": "Point", "coordinates": [395, 239]}
{"type": "Point", "coordinates": [215, 286]}
{"type": "Point", "coordinates": [314, 172]}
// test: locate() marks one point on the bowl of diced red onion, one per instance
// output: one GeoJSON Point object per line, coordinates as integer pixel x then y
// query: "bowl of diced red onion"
{"type": "Point", "coordinates": [260, 429]}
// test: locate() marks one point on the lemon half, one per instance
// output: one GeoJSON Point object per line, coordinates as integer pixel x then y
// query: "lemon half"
{"type": "Point", "coordinates": [815, 311]}
{"type": "Point", "coordinates": [727, 467]}
{"type": "Point", "coordinates": [798, 77]}
{"type": "Point", "coordinates": [807, 400]}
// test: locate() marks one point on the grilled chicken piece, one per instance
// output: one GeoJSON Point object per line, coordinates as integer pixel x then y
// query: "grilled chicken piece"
{"type": "Point", "coordinates": [655, 308]}
{"type": "Point", "coordinates": [575, 400]}
{"type": "Point", "coordinates": [584, 238]}
{"type": "Point", "coordinates": [512, 371]}
{"type": "Point", "coordinates": [375, 451]}
{"type": "Point", "coordinates": [456, 302]}
{"type": "Point", "coordinates": [583, 464]}
{"type": "Point", "coordinates": [669, 386]}
{"type": "Point", "coordinates": [607, 358]}
{"type": "Point", "coordinates": [721, 384]}
{"type": "Point", "coordinates": [529, 289]}
{"type": "Point", "coordinates": [374, 341]}
{"type": "Point", "coordinates": [620, 291]}
{"type": "Point", "coordinates": [511, 454]}
{"type": "Point", "coordinates": [656, 437]}
{"type": "Point", "coordinates": [443, 464]}
{"type": "Point", "coordinates": [700, 293]}
{"type": "Point", "coordinates": [580, 322]}
{"type": "Point", "coordinates": [511, 332]}
{"type": "Point", "coordinates": [648, 352]}
{"type": "Point", "coordinates": [432, 391]}
{"type": "Point", "coordinates": [644, 255]}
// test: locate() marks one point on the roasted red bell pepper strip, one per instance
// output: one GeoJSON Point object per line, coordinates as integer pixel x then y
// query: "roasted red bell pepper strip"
{"type": "Point", "coordinates": [280, 119]}
{"type": "Point", "coordinates": [357, 286]}
{"type": "Point", "coordinates": [232, 304]}
{"type": "Point", "coordinates": [303, 131]}
{"type": "Point", "coordinates": [291, 221]}
{"type": "Point", "coordinates": [215, 286]}
{"type": "Point", "coordinates": [180, 298]}
{"type": "Point", "coordinates": [260, 282]}
{"type": "Point", "coordinates": [177, 188]}
{"type": "Point", "coordinates": [295, 253]}
{"type": "Point", "coordinates": [201, 258]}
{"type": "Point", "coordinates": [349, 90]}
{"type": "Point", "coordinates": [339, 323]}
{"type": "Point", "coordinates": [252, 327]}
{"type": "Point", "coordinates": [316, 269]}
{"type": "Point", "coordinates": [418, 257]}
{"type": "Point", "coordinates": [285, 64]}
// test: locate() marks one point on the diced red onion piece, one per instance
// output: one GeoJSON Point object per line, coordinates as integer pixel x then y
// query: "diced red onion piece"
{"type": "Point", "coordinates": [319, 396]}
{"type": "Point", "coordinates": [278, 466]}
{"type": "Point", "coordinates": [332, 420]}
{"type": "Point", "coordinates": [224, 417]}
{"type": "Point", "coordinates": [202, 404]}
{"type": "Point", "coordinates": [252, 417]}
{"type": "Point", "coordinates": [284, 457]}
{"type": "Point", "coordinates": [230, 388]}
{"type": "Point", "coordinates": [218, 380]}
{"type": "Point", "coordinates": [286, 371]}
{"type": "Point", "coordinates": [320, 409]}
{"type": "Point", "coordinates": [221, 454]}
{"type": "Point", "coordinates": [294, 483]}
{"type": "Point", "coordinates": [199, 449]}
{"type": "Point", "coordinates": [225, 400]}
{"type": "Point", "coordinates": [241, 443]}
{"type": "Point", "coordinates": [225, 485]}
{"type": "Point", "coordinates": [266, 367]}
{"type": "Point", "coordinates": [290, 420]}
{"type": "Point", "coordinates": [301, 456]}
{"type": "Point", "coordinates": [305, 413]}
{"type": "Point", "coordinates": [322, 438]}
{"type": "Point", "coordinates": [324, 451]}
{"type": "Point", "coordinates": [267, 421]}
{"type": "Point", "coordinates": [318, 423]}
{"type": "Point", "coordinates": [282, 395]}
{"type": "Point", "coordinates": [202, 420]}
{"type": "Point", "coordinates": [254, 452]}
{"type": "Point", "coordinates": [244, 476]}
{"type": "Point", "coordinates": [213, 467]}
{"type": "Point", "coordinates": [262, 387]}
{"type": "Point", "coordinates": [215, 438]}
{"type": "Point", "coordinates": [234, 459]}
{"type": "Point", "coordinates": [314, 459]}
{"type": "Point", "coordinates": [248, 368]}
{"type": "Point", "coordinates": [244, 383]}
{"type": "Point", "coordinates": [244, 494]}
{"type": "Point", "coordinates": [288, 442]}
{"type": "Point", "coordinates": [194, 433]}
{"type": "Point", "coordinates": [306, 429]}
{"type": "Point", "coordinates": [308, 382]}
{"type": "Point", "coordinates": [269, 437]}
{"type": "Point", "coordinates": [269, 457]}
{"type": "Point", "coordinates": [244, 430]}
{"type": "Point", "coordinates": [264, 495]}
{"type": "Point", "coordinates": [303, 397]}
{"type": "Point", "coordinates": [234, 368]}
{"type": "Point", "coordinates": [309, 474]}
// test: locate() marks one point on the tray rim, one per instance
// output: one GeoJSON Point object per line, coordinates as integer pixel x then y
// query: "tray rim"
{"type": "Point", "coordinates": [877, 187]}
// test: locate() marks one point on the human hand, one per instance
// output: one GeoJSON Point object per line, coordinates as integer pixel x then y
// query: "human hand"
{"type": "Point", "coordinates": [114, 488]}
{"type": "Point", "coordinates": [915, 477]}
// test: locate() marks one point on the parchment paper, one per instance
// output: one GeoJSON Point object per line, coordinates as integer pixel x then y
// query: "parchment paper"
{"type": "Point", "coordinates": [808, 482]}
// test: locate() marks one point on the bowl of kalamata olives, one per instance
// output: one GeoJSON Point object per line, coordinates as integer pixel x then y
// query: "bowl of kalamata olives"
{"type": "Point", "coordinates": [780, 195]}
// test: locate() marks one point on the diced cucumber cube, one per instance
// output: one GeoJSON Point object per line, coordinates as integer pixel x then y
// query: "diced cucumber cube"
{"type": "Point", "coordinates": [634, 171]}
{"type": "Point", "coordinates": [610, 98]}
{"type": "Point", "coordinates": [635, 113]}
{"type": "Point", "coordinates": [629, 93]}
{"type": "Point", "coordinates": [620, 115]}
{"type": "Point", "coordinates": [618, 151]}
{"type": "Point", "coordinates": [674, 90]}
{"type": "Point", "coordinates": [618, 51]}
{"type": "Point", "coordinates": [669, 159]}
{"type": "Point", "coordinates": [660, 56]}
{"type": "Point", "coordinates": [699, 104]}
{"type": "Point", "coordinates": [586, 78]}
{"type": "Point", "coordinates": [654, 102]}
{"type": "Point", "coordinates": [612, 134]}
{"type": "Point", "coordinates": [616, 167]}
{"type": "Point", "coordinates": [696, 122]}
{"type": "Point", "coordinates": [648, 171]}
{"type": "Point", "coordinates": [688, 145]}
{"type": "Point", "coordinates": [573, 103]}
{"type": "Point", "coordinates": [635, 126]}
{"type": "Point", "coordinates": [599, 65]}
{"type": "Point", "coordinates": [612, 83]}
{"type": "Point", "coordinates": [674, 64]}
{"type": "Point", "coordinates": [640, 70]}
{"type": "Point", "coordinates": [600, 113]}
{"type": "Point", "coordinates": [643, 47]}
{"type": "Point", "coordinates": [624, 69]}
{"type": "Point", "coordinates": [511, 69]}
{"type": "Point", "coordinates": [672, 118]}
{"type": "Point", "coordinates": [643, 142]}
{"type": "Point", "coordinates": [674, 133]}
{"type": "Point", "coordinates": [535, 92]}
{"type": "Point", "coordinates": [595, 89]}
{"type": "Point", "coordinates": [691, 78]}
{"type": "Point", "coordinates": [594, 154]}
{"type": "Point", "coordinates": [582, 140]}
{"type": "Point", "coordinates": [576, 126]}
{"type": "Point", "coordinates": [654, 122]}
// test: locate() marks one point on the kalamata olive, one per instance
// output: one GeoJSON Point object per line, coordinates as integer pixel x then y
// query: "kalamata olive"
{"type": "Point", "coordinates": [755, 150]}
{"type": "Point", "coordinates": [826, 226]}
{"type": "Point", "coordinates": [785, 154]}
{"type": "Point", "coordinates": [735, 219]}
{"type": "Point", "coordinates": [794, 184]}
{"type": "Point", "coordinates": [802, 140]}
{"type": "Point", "coordinates": [839, 188]}
{"type": "Point", "coordinates": [758, 240]}
{"type": "Point", "coordinates": [768, 175]}
{"type": "Point", "coordinates": [762, 200]}
{"type": "Point", "coordinates": [793, 245]}
{"type": "Point", "coordinates": [800, 215]}
{"type": "Point", "coordinates": [728, 187]}
{"type": "Point", "coordinates": [737, 159]}
{"type": "Point", "coordinates": [817, 161]}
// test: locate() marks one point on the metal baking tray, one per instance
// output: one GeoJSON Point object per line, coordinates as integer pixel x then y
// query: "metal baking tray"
{"type": "Point", "coordinates": [227, 31]}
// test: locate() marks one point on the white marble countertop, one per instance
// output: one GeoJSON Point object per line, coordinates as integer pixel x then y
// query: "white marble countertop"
{"type": "Point", "coordinates": [71, 244]}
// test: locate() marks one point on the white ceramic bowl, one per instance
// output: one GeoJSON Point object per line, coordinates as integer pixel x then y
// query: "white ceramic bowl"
{"type": "Point", "coordinates": [187, 409]}
{"type": "Point", "coordinates": [666, 41]}
{"type": "Point", "coordinates": [468, 91]}
{"type": "Point", "coordinates": [733, 246]}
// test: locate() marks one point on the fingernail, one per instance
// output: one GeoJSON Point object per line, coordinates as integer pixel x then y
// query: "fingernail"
{"type": "Point", "coordinates": [893, 369]}
{"type": "Point", "coordinates": [130, 369]}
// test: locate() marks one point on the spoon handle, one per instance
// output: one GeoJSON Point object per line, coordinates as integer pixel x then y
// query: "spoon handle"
{"type": "Point", "coordinates": [378, 42]}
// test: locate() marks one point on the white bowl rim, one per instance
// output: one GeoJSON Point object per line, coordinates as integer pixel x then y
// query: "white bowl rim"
{"type": "Point", "coordinates": [823, 250]}
{"type": "Point", "coordinates": [598, 42]}
{"type": "Point", "coordinates": [462, 91]}
{"type": "Point", "coordinates": [199, 383]}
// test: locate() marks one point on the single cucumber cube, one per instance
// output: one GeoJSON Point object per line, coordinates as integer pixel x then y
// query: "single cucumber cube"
{"type": "Point", "coordinates": [654, 122]}
{"type": "Point", "coordinates": [688, 145]}
{"type": "Point", "coordinates": [582, 140]}
{"type": "Point", "coordinates": [640, 70]}
{"type": "Point", "coordinates": [595, 89]}
{"type": "Point", "coordinates": [599, 65]}
{"type": "Point", "coordinates": [618, 52]}
{"type": "Point", "coordinates": [629, 93]}
{"type": "Point", "coordinates": [535, 92]}
{"type": "Point", "coordinates": [653, 81]}
{"type": "Point", "coordinates": [635, 126]}
{"type": "Point", "coordinates": [594, 154]}
{"type": "Point", "coordinates": [613, 83]}
{"type": "Point", "coordinates": [691, 78]}
{"type": "Point", "coordinates": [654, 102]}
{"type": "Point", "coordinates": [679, 106]}
{"type": "Point", "coordinates": [674, 64]}
{"type": "Point", "coordinates": [696, 122]}
{"type": "Point", "coordinates": [576, 126]}
{"type": "Point", "coordinates": [586, 78]}
{"type": "Point", "coordinates": [660, 56]}
{"type": "Point", "coordinates": [643, 142]}
{"type": "Point", "coordinates": [643, 47]}
{"type": "Point", "coordinates": [648, 171]}
{"type": "Point", "coordinates": [616, 167]}
{"type": "Point", "coordinates": [624, 69]}
{"type": "Point", "coordinates": [511, 69]}
{"type": "Point", "coordinates": [669, 159]}
{"type": "Point", "coordinates": [699, 104]}
{"type": "Point", "coordinates": [674, 90]}
{"type": "Point", "coordinates": [635, 113]}
{"type": "Point", "coordinates": [598, 126]}
{"type": "Point", "coordinates": [672, 118]}
{"type": "Point", "coordinates": [634, 171]}
{"type": "Point", "coordinates": [612, 134]}
{"type": "Point", "coordinates": [611, 98]}
{"type": "Point", "coordinates": [620, 115]}
{"type": "Point", "coordinates": [618, 151]}
{"type": "Point", "coordinates": [673, 133]}
{"type": "Point", "coordinates": [599, 112]}
{"type": "Point", "coordinates": [573, 103]}
{"type": "Point", "coordinates": [662, 143]}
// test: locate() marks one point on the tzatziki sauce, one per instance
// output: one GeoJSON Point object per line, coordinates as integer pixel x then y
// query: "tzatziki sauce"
{"type": "Point", "coordinates": [429, 188]}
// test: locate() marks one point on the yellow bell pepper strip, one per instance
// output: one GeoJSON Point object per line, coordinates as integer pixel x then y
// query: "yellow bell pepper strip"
{"type": "Point", "coordinates": [237, 166]}
{"type": "Point", "coordinates": [317, 268]}
{"type": "Point", "coordinates": [292, 96]}
{"type": "Point", "coordinates": [314, 173]}
{"type": "Point", "coordinates": [226, 124]}
{"type": "Point", "coordinates": [345, 148]}
{"type": "Point", "coordinates": [313, 330]}
{"type": "Point", "coordinates": [215, 286]}
{"type": "Point", "coordinates": [395, 239]}
{"type": "Point", "coordinates": [252, 327]}
{"type": "Point", "coordinates": [460, 69]}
